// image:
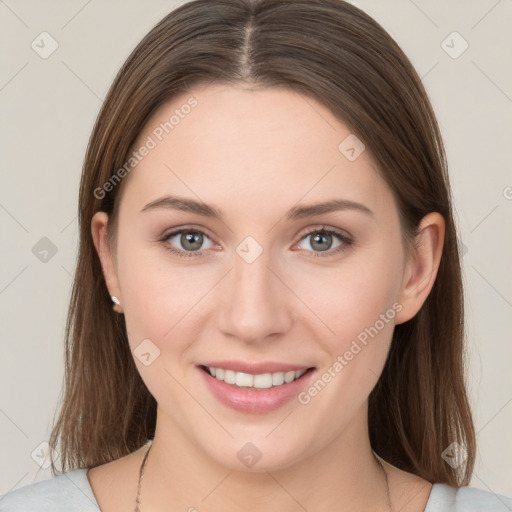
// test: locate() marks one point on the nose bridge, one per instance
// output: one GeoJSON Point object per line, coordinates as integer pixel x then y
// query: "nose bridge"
{"type": "Point", "coordinates": [255, 305]}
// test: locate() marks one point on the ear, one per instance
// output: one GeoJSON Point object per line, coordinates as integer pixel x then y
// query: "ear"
{"type": "Point", "coordinates": [421, 266]}
{"type": "Point", "coordinates": [99, 226]}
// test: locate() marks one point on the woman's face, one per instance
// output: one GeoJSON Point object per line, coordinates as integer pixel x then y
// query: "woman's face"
{"type": "Point", "coordinates": [266, 280]}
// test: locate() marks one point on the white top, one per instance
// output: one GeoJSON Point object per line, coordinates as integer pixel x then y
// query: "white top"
{"type": "Point", "coordinates": [71, 492]}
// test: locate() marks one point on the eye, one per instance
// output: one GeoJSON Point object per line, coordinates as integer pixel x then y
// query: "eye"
{"type": "Point", "coordinates": [190, 240]}
{"type": "Point", "coordinates": [322, 241]}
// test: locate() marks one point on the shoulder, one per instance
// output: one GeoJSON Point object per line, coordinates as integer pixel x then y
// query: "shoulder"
{"type": "Point", "coordinates": [444, 498]}
{"type": "Point", "coordinates": [68, 492]}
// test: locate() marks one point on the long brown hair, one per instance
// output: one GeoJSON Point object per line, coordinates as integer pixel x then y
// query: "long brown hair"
{"type": "Point", "coordinates": [336, 54]}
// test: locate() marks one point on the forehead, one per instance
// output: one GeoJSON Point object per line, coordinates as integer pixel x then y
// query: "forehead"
{"type": "Point", "coordinates": [252, 149]}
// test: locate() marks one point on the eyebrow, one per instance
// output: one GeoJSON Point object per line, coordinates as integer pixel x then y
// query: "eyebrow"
{"type": "Point", "coordinates": [297, 212]}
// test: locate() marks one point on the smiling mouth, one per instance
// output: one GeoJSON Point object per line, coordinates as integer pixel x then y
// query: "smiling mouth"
{"type": "Point", "coordinates": [259, 381]}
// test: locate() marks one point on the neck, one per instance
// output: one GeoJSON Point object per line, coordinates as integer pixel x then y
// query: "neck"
{"type": "Point", "coordinates": [343, 475]}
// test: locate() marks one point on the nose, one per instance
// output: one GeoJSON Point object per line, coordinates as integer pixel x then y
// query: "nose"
{"type": "Point", "coordinates": [254, 303]}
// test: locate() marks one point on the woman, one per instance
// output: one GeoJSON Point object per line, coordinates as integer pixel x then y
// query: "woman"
{"type": "Point", "coordinates": [265, 205]}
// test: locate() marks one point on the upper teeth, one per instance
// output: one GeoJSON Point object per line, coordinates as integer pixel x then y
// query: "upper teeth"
{"type": "Point", "coordinates": [262, 381]}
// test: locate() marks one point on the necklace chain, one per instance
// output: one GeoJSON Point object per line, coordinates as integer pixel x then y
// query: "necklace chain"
{"type": "Point", "coordinates": [143, 465]}
{"type": "Point", "coordinates": [387, 485]}
{"type": "Point", "coordinates": [141, 475]}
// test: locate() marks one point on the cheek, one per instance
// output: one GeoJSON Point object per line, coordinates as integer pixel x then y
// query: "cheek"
{"type": "Point", "coordinates": [362, 318]}
{"type": "Point", "coordinates": [363, 324]}
{"type": "Point", "coordinates": [160, 300]}
{"type": "Point", "coordinates": [363, 299]}
{"type": "Point", "coordinates": [352, 296]}
{"type": "Point", "coordinates": [164, 303]}
{"type": "Point", "coordinates": [358, 305]}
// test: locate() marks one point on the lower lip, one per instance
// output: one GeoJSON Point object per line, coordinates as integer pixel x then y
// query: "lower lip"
{"type": "Point", "coordinates": [255, 401]}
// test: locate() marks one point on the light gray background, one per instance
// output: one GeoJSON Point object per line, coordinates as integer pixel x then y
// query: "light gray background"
{"type": "Point", "coordinates": [48, 107]}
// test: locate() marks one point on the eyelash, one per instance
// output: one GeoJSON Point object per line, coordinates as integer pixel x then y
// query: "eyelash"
{"type": "Point", "coordinates": [346, 242]}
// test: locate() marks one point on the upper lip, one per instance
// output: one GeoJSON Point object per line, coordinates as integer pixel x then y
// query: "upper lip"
{"type": "Point", "coordinates": [255, 368]}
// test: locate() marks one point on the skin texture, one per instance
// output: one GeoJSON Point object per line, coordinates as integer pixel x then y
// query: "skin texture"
{"type": "Point", "coordinates": [254, 155]}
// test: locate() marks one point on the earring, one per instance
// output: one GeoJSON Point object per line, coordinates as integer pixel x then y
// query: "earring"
{"type": "Point", "coordinates": [117, 305]}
